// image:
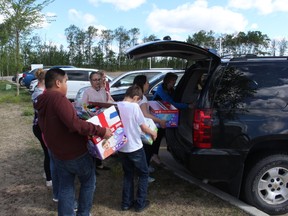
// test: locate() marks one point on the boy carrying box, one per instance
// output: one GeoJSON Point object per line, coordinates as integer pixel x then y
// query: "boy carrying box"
{"type": "Point", "coordinates": [132, 154]}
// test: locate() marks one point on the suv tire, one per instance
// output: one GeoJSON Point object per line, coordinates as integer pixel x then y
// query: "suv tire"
{"type": "Point", "coordinates": [266, 185]}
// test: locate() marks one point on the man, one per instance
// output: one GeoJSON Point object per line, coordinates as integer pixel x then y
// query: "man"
{"type": "Point", "coordinates": [66, 137]}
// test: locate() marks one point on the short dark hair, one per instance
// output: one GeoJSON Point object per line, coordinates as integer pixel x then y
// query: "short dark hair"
{"type": "Point", "coordinates": [52, 75]}
{"type": "Point", "coordinates": [134, 90]}
{"type": "Point", "coordinates": [140, 80]}
{"type": "Point", "coordinates": [169, 77]}
{"type": "Point", "coordinates": [95, 72]}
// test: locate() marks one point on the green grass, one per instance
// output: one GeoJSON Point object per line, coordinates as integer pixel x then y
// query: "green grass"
{"type": "Point", "coordinates": [8, 93]}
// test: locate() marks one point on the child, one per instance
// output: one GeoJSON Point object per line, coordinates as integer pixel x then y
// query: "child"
{"type": "Point", "coordinates": [132, 154]}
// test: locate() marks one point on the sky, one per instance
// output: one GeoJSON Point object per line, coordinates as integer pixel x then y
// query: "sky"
{"type": "Point", "coordinates": [176, 18]}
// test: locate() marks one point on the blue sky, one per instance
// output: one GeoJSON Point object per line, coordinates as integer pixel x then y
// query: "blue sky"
{"type": "Point", "coordinates": [168, 17]}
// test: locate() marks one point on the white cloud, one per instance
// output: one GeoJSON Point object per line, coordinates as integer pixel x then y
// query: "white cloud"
{"type": "Point", "coordinates": [254, 26]}
{"type": "Point", "coordinates": [193, 17]}
{"type": "Point", "coordinates": [1, 18]}
{"type": "Point", "coordinates": [124, 5]}
{"type": "Point", "coordinates": [263, 6]}
{"type": "Point", "coordinates": [84, 20]}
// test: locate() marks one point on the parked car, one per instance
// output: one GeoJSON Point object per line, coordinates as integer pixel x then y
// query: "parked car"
{"type": "Point", "coordinates": [77, 78]}
{"type": "Point", "coordinates": [237, 132]}
{"type": "Point", "coordinates": [28, 77]}
{"type": "Point", "coordinates": [20, 78]}
{"type": "Point", "coordinates": [119, 85]}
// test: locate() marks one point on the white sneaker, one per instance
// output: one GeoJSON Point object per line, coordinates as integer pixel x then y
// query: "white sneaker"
{"type": "Point", "coordinates": [49, 183]}
{"type": "Point", "coordinates": [151, 169]}
{"type": "Point", "coordinates": [150, 179]}
{"type": "Point", "coordinates": [55, 200]}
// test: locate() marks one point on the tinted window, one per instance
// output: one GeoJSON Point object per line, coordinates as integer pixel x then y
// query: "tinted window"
{"type": "Point", "coordinates": [252, 85]}
{"type": "Point", "coordinates": [79, 75]}
{"type": "Point", "coordinates": [129, 78]}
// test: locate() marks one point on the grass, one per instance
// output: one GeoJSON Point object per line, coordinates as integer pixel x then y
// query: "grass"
{"type": "Point", "coordinates": [8, 93]}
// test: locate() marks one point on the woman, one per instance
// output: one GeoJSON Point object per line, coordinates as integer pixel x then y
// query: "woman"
{"type": "Point", "coordinates": [142, 82]}
{"type": "Point", "coordinates": [165, 92]}
{"type": "Point", "coordinates": [97, 93]}
{"type": "Point", "coordinates": [40, 75]}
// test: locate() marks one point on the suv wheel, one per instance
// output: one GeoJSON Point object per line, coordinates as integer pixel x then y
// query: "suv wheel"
{"type": "Point", "coordinates": [266, 185]}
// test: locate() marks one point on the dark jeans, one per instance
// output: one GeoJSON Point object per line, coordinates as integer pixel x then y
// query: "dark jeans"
{"type": "Point", "coordinates": [134, 162]}
{"type": "Point", "coordinates": [84, 168]}
{"type": "Point", "coordinates": [38, 133]}
{"type": "Point", "coordinates": [157, 142]}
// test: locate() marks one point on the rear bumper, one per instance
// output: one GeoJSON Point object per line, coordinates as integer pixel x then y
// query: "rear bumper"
{"type": "Point", "coordinates": [211, 164]}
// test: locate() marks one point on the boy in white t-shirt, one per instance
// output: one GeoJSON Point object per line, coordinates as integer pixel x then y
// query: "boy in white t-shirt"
{"type": "Point", "coordinates": [132, 154]}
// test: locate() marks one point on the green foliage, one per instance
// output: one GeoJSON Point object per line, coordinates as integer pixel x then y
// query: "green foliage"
{"type": "Point", "coordinates": [28, 111]}
{"type": "Point", "coordinates": [8, 95]}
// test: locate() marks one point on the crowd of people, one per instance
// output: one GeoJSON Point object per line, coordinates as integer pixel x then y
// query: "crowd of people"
{"type": "Point", "coordinates": [63, 137]}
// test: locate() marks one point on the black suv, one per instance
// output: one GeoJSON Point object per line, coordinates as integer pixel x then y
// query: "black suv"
{"type": "Point", "coordinates": [237, 132]}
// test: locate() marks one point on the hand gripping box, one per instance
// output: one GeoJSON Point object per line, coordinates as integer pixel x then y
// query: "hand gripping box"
{"type": "Point", "coordinates": [146, 138]}
{"type": "Point", "coordinates": [103, 148]}
{"type": "Point", "coordinates": [165, 111]}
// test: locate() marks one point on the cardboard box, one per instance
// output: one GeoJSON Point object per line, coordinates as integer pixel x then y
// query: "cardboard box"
{"type": "Point", "coordinates": [165, 111]}
{"type": "Point", "coordinates": [103, 148]}
{"type": "Point", "coordinates": [146, 138]}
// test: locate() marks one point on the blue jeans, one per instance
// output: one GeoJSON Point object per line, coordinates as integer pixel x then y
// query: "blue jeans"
{"type": "Point", "coordinates": [134, 161]}
{"type": "Point", "coordinates": [83, 167]}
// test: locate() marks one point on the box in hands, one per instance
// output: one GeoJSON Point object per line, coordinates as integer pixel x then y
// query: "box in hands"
{"type": "Point", "coordinates": [164, 111]}
{"type": "Point", "coordinates": [102, 148]}
{"type": "Point", "coordinates": [146, 138]}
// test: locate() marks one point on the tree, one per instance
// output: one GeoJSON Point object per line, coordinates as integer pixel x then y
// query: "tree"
{"type": "Point", "coordinates": [203, 39]}
{"type": "Point", "coordinates": [23, 16]}
{"type": "Point", "coordinates": [282, 46]}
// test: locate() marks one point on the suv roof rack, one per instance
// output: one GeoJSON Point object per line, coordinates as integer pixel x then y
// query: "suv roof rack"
{"type": "Point", "coordinates": [252, 57]}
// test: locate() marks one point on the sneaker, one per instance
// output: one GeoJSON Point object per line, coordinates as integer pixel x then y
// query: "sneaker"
{"type": "Point", "coordinates": [55, 200]}
{"type": "Point", "coordinates": [146, 204]}
{"type": "Point", "coordinates": [150, 179]}
{"type": "Point", "coordinates": [49, 183]}
{"type": "Point", "coordinates": [75, 206]}
{"type": "Point", "coordinates": [151, 169]}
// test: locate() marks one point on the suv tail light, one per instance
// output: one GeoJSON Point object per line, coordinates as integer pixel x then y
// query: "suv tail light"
{"type": "Point", "coordinates": [202, 128]}
{"type": "Point", "coordinates": [24, 75]}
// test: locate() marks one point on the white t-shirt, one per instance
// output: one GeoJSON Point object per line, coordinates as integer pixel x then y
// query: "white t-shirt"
{"type": "Point", "coordinates": [144, 100]}
{"type": "Point", "coordinates": [132, 117]}
{"type": "Point", "coordinates": [91, 95]}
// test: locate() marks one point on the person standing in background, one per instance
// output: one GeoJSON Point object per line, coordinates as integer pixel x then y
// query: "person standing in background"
{"type": "Point", "coordinates": [97, 93]}
{"type": "Point", "coordinates": [165, 92]}
{"type": "Point", "coordinates": [40, 75]}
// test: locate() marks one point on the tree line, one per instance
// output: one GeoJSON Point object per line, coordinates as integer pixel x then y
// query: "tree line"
{"type": "Point", "coordinates": [104, 49]}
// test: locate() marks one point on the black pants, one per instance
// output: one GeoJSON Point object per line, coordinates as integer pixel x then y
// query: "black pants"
{"type": "Point", "coordinates": [157, 142]}
{"type": "Point", "coordinates": [38, 133]}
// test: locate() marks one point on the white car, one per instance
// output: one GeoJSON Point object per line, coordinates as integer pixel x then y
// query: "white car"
{"type": "Point", "coordinates": [77, 79]}
{"type": "Point", "coordinates": [120, 84]}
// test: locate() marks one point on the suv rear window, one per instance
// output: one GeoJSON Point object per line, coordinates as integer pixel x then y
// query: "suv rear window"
{"type": "Point", "coordinates": [78, 75]}
{"type": "Point", "coordinates": [252, 85]}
